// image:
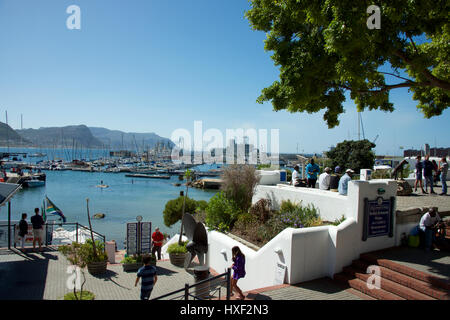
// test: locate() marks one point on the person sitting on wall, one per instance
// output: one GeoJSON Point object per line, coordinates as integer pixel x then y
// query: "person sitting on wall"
{"type": "Point", "coordinates": [324, 179]}
{"type": "Point", "coordinates": [429, 225]}
{"type": "Point", "coordinates": [334, 179]}
{"type": "Point", "coordinates": [295, 179]}
{"type": "Point", "coordinates": [343, 182]}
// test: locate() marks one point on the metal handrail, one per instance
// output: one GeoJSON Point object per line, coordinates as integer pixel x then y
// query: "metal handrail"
{"type": "Point", "coordinates": [187, 287]}
{"type": "Point", "coordinates": [99, 235]}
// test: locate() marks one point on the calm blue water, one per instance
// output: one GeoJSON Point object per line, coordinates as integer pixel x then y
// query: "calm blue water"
{"type": "Point", "coordinates": [125, 199]}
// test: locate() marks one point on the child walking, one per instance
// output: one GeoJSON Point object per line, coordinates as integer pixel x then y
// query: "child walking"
{"type": "Point", "coordinates": [238, 270]}
{"type": "Point", "coordinates": [149, 278]}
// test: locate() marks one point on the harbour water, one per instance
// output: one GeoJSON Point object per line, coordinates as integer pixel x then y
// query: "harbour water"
{"type": "Point", "coordinates": [121, 202]}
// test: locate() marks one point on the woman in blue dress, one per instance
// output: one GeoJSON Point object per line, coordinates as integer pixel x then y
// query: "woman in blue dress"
{"type": "Point", "coordinates": [238, 270]}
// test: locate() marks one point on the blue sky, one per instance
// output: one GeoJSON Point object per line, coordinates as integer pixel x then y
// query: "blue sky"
{"type": "Point", "coordinates": [156, 66]}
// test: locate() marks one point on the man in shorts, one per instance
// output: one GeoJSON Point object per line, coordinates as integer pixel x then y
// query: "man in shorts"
{"type": "Point", "coordinates": [38, 229]}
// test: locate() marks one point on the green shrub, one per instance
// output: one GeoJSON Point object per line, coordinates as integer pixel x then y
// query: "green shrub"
{"type": "Point", "coordinates": [85, 295]}
{"type": "Point", "coordinates": [174, 209]}
{"type": "Point", "coordinates": [239, 184]}
{"type": "Point", "coordinates": [339, 221]}
{"type": "Point", "coordinates": [176, 248]}
{"type": "Point", "coordinates": [221, 213]}
{"type": "Point", "coordinates": [87, 251]}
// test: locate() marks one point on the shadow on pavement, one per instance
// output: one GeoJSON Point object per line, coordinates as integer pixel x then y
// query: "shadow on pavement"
{"type": "Point", "coordinates": [24, 279]}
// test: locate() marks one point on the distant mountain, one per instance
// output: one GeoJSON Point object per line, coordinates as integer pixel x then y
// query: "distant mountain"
{"type": "Point", "coordinates": [115, 139]}
{"type": "Point", "coordinates": [11, 137]}
{"type": "Point", "coordinates": [77, 136]}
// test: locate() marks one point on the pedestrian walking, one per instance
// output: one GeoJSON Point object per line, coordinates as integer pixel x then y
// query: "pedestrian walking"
{"type": "Point", "coordinates": [149, 278]}
{"type": "Point", "coordinates": [443, 167]}
{"type": "Point", "coordinates": [158, 239]}
{"type": "Point", "coordinates": [419, 169]}
{"type": "Point", "coordinates": [238, 270]}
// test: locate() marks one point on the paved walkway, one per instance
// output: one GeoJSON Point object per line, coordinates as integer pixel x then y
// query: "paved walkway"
{"type": "Point", "coordinates": [38, 276]}
{"type": "Point", "coordinates": [419, 200]}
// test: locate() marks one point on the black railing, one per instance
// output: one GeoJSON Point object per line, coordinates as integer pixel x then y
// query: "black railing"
{"type": "Point", "coordinates": [207, 289]}
{"type": "Point", "coordinates": [76, 227]}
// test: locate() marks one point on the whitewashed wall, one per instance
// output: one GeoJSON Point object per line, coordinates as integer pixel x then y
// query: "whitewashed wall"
{"type": "Point", "coordinates": [331, 205]}
{"type": "Point", "coordinates": [309, 253]}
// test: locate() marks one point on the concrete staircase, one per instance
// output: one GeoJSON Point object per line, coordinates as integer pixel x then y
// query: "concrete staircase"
{"type": "Point", "coordinates": [397, 281]}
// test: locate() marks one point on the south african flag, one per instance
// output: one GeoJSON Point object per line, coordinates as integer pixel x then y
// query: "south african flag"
{"type": "Point", "coordinates": [52, 209]}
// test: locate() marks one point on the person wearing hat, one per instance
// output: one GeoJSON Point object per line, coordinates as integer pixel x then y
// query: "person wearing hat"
{"type": "Point", "coordinates": [158, 239]}
{"type": "Point", "coordinates": [334, 179]}
{"type": "Point", "coordinates": [343, 182]}
{"type": "Point", "coordinates": [324, 179]}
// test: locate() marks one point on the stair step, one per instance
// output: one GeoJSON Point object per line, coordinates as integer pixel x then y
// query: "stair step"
{"type": "Point", "coordinates": [407, 281]}
{"type": "Point", "coordinates": [361, 286]}
{"type": "Point", "coordinates": [390, 286]}
{"type": "Point", "coordinates": [413, 273]}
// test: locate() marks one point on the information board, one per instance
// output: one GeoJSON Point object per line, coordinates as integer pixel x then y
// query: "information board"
{"type": "Point", "coordinates": [379, 218]}
{"type": "Point", "coordinates": [132, 238]}
{"type": "Point", "coordinates": [146, 237]}
{"type": "Point", "coordinates": [139, 237]}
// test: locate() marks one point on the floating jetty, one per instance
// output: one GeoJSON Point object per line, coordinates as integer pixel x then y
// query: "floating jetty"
{"type": "Point", "coordinates": [148, 176]}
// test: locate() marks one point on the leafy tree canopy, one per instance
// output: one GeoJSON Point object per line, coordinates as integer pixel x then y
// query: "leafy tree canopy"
{"type": "Point", "coordinates": [324, 48]}
{"type": "Point", "coordinates": [354, 155]}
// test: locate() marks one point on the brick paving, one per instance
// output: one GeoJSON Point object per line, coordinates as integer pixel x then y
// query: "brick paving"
{"type": "Point", "coordinates": [37, 276]}
{"type": "Point", "coordinates": [419, 200]}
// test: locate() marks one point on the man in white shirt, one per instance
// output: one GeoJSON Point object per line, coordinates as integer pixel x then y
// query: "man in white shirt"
{"type": "Point", "coordinates": [429, 223]}
{"type": "Point", "coordinates": [324, 179]}
{"type": "Point", "coordinates": [295, 180]}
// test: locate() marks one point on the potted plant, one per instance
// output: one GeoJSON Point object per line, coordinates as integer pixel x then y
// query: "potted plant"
{"type": "Point", "coordinates": [75, 254]}
{"type": "Point", "coordinates": [94, 251]}
{"type": "Point", "coordinates": [134, 262]}
{"type": "Point", "coordinates": [177, 253]}
{"type": "Point", "coordinates": [97, 260]}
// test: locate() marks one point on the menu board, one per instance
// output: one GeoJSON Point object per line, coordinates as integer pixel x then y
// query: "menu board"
{"type": "Point", "coordinates": [146, 237]}
{"type": "Point", "coordinates": [132, 238]}
{"type": "Point", "coordinates": [139, 237]}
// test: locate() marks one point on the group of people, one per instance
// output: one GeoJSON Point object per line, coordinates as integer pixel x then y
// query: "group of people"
{"type": "Point", "coordinates": [38, 229]}
{"type": "Point", "coordinates": [327, 180]}
{"type": "Point", "coordinates": [425, 169]}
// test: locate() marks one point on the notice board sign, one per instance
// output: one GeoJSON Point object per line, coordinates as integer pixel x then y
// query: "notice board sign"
{"type": "Point", "coordinates": [378, 218]}
{"type": "Point", "coordinates": [139, 237]}
{"type": "Point", "coordinates": [146, 237]}
{"type": "Point", "coordinates": [132, 238]}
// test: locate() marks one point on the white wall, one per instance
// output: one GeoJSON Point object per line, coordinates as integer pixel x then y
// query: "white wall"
{"type": "Point", "coordinates": [331, 204]}
{"type": "Point", "coordinates": [309, 253]}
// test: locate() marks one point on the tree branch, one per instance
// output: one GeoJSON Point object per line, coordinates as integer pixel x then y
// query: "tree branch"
{"type": "Point", "coordinates": [394, 75]}
{"type": "Point", "coordinates": [427, 74]}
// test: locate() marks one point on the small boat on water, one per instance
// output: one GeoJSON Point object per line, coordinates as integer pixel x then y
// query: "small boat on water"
{"type": "Point", "coordinates": [34, 182]}
{"type": "Point", "coordinates": [148, 176]}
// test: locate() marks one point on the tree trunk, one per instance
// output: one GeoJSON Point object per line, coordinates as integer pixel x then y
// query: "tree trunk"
{"type": "Point", "coordinates": [90, 229]}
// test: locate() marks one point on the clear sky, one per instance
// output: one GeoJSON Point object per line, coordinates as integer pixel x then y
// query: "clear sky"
{"type": "Point", "coordinates": [156, 66]}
